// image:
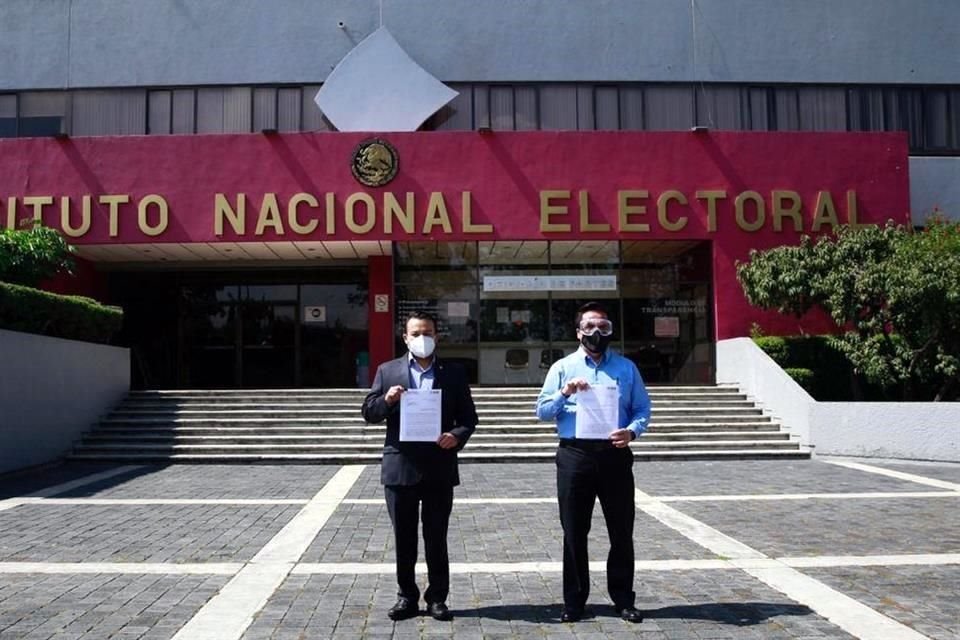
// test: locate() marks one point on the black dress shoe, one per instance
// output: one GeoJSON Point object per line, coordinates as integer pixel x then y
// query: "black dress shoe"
{"type": "Point", "coordinates": [630, 614]}
{"type": "Point", "coordinates": [571, 615]}
{"type": "Point", "coordinates": [403, 609]}
{"type": "Point", "coordinates": [439, 611]}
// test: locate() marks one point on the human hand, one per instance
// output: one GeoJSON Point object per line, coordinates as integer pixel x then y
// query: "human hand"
{"type": "Point", "coordinates": [447, 441]}
{"type": "Point", "coordinates": [621, 438]}
{"type": "Point", "coordinates": [393, 394]}
{"type": "Point", "coordinates": [574, 385]}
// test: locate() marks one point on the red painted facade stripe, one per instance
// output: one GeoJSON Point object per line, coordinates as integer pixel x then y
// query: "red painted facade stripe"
{"type": "Point", "coordinates": [508, 178]}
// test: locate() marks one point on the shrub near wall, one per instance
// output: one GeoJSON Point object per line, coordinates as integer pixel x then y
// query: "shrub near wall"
{"type": "Point", "coordinates": [71, 317]}
{"type": "Point", "coordinates": [814, 364]}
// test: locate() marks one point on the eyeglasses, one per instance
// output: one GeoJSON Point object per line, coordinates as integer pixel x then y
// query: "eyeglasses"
{"type": "Point", "coordinates": [590, 327]}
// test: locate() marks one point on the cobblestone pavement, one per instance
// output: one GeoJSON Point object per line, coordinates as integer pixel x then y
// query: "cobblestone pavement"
{"type": "Point", "coordinates": [747, 549]}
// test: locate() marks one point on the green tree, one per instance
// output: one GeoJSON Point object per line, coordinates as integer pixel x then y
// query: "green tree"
{"type": "Point", "coordinates": [893, 294]}
{"type": "Point", "coordinates": [33, 254]}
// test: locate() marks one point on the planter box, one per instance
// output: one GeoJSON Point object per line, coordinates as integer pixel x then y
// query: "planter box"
{"type": "Point", "coordinates": [906, 430]}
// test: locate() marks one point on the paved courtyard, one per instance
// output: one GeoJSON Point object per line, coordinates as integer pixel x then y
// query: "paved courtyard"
{"type": "Point", "coordinates": [827, 548]}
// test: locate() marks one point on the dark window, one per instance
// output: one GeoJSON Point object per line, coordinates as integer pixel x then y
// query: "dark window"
{"type": "Point", "coordinates": [40, 126]}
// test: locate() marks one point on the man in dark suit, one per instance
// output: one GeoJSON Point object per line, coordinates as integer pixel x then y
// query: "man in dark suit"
{"type": "Point", "coordinates": [421, 475]}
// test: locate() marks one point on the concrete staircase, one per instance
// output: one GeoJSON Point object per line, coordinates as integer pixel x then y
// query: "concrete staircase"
{"type": "Point", "coordinates": [324, 426]}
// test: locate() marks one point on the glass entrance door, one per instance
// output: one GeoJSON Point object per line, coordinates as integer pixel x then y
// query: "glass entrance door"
{"type": "Point", "coordinates": [275, 335]}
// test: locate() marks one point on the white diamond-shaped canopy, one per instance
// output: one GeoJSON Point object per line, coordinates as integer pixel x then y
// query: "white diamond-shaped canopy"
{"type": "Point", "coordinates": [378, 87]}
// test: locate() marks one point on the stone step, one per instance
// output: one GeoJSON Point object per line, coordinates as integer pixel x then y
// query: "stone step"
{"type": "Point", "coordinates": [353, 412]}
{"type": "Point", "coordinates": [482, 405]}
{"type": "Point", "coordinates": [324, 426]}
{"type": "Point", "coordinates": [360, 427]}
{"type": "Point", "coordinates": [479, 446]}
{"type": "Point", "coordinates": [499, 390]}
{"type": "Point", "coordinates": [358, 421]}
{"type": "Point", "coordinates": [99, 439]}
{"type": "Point", "coordinates": [465, 457]}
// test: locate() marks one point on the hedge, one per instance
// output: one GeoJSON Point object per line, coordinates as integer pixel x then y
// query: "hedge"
{"type": "Point", "coordinates": [71, 317]}
{"type": "Point", "coordinates": [804, 377]}
{"type": "Point", "coordinates": [813, 362]}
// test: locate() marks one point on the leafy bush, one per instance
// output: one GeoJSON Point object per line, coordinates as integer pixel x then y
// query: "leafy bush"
{"type": "Point", "coordinates": [831, 375]}
{"type": "Point", "coordinates": [72, 317]}
{"type": "Point", "coordinates": [803, 377]}
{"type": "Point", "coordinates": [894, 294]}
{"type": "Point", "coordinates": [775, 347]}
{"type": "Point", "coordinates": [31, 255]}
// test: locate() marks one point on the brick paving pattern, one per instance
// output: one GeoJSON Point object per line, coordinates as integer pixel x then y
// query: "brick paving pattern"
{"type": "Point", "coordinates": [51, 600]}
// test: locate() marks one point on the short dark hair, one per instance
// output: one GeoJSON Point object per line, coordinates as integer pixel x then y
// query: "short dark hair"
{"type": "Point", "coordinates": [591, 306]}
{"type": "Point", "coordinates": [420, 315]}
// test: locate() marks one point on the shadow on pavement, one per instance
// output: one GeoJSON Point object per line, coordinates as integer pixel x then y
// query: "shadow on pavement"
{"type": "Point", "coordinates": [23, 483]}
{"type": "Point", "coordinates": [741, 614]}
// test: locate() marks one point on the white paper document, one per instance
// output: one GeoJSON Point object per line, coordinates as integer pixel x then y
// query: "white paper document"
{"type": "Point", "coordinates": [420, 415]}
{"type": "Point", "coordinates": [597, 412]}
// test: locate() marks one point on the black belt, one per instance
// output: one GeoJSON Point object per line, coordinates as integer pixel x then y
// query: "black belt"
{"type": "Point", "coordinates": [587, 445]}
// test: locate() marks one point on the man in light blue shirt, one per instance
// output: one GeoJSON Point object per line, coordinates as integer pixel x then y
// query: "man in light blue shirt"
{"type": "Point", "coordinates": [588, 469]}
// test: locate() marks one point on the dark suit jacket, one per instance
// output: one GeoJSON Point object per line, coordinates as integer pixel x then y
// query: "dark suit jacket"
{"type": "Point", "coordinates": [407, 463]}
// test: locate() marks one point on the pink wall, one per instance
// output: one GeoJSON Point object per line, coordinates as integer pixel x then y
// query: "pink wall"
{"type": "Point", "coordinates": [509, 181]}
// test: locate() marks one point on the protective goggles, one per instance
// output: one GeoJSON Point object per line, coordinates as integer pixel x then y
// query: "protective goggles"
{"type": "Point", "coordinates": [590, 327]}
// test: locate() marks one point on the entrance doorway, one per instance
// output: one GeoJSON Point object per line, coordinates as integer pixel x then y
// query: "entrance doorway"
{"type": "Point", "coordinates": [247, 330]}
{"type": "Point", "coordinates": [506, 309]}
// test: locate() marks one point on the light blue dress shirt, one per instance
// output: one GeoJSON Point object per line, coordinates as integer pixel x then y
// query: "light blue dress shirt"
{"type": "Point", "coordinates": [613, 368]}
{"type": "Point", "coordinates": [420, 378]}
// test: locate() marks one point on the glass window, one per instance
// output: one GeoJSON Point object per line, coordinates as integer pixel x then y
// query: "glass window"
{"type": "Point", "coordinates": [440, 278]}
{"type": "Point", "coordinates": [109, 112]}
{"type": "Point", "coordinates": [631, 108]}
{"type": "Point", "coordinates": [786, 109]}
{"type": "Point", "coordinates": [666, 310]}
{"type": "Point", "coordinates": [607, 110]}
{"type": "Point", "coordinates": [288, 109]}
{"type": "Point", "coordinates": [8, 115]}
{"type": "Point", "coordinates": [558, 107]}
{"type": "Point", "coordinates": [160, 111]}
{"type": "Point", "coordinates": [502, 115]}
{"type": "Point", "coordinates": [184, 113]}
{"type": "Point", "coordinates": [224, 110]}
{"type": "Point", "coordinates": [456, 115]}
{"type": "Point", "coordinates": [313, 119]}
{"type": "Point", "coordinates": [267, 292]}
{"type": "Point", "coordinates": [760, 107]}
{"type": "Point", "coordinates": [720, 107]}
{"type": "Point", "coordinates": [937, 118]}
{"type": "Point", "coordinates": [822, 108]}
{"type": "Point", "coordinates": [668, 108]}
{"type": "Point", "coordinates": [514, 322]}
{"type": "Point", "coordinates": [42, 113]}
{"type": "Point", "coordinates": [526, 118]}
{"type": "Point", "coordinates": [264, 108]}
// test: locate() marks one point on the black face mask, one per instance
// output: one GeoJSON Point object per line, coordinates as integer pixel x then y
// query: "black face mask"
{"type": "Point", "coordinates": [596, 343]}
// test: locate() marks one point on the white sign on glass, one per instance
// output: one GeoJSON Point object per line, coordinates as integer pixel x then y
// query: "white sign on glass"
{"type": "Point", "coordinates": [314, 314]}
{"type": "Point", "coordinates": [549, 283]}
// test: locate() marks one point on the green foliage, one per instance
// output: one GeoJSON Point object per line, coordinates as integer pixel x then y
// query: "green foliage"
{"type": "Point", "coordinates": [803, 377]}
{"type": "Point", "coordinates": [31, 255]}
{"type": "Point", "coordinates": [72, 317]}
{"type": "Point", "coordinates": [893, 293]}
{"type": "Point", "coordinates": [775, 347]}
{"type": "Point", "coordinates": [831, 372]}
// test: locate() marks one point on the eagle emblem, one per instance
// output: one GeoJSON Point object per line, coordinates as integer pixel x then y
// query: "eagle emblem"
{"type": "Point", "coordinates": [374, 163]}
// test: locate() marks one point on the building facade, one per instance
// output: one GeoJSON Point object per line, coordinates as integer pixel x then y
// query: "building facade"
{"type": "Point", "coordinates": [626, 150]}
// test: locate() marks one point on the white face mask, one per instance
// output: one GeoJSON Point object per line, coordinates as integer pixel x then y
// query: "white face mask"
{"type": "Point", "coordinates": [421, 346]}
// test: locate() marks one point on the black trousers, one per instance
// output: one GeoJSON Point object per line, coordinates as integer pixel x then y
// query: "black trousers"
{"type": "Point", "coordinates": [434, 502]}
{"type": "Point", "coordinates": [583, 475]}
